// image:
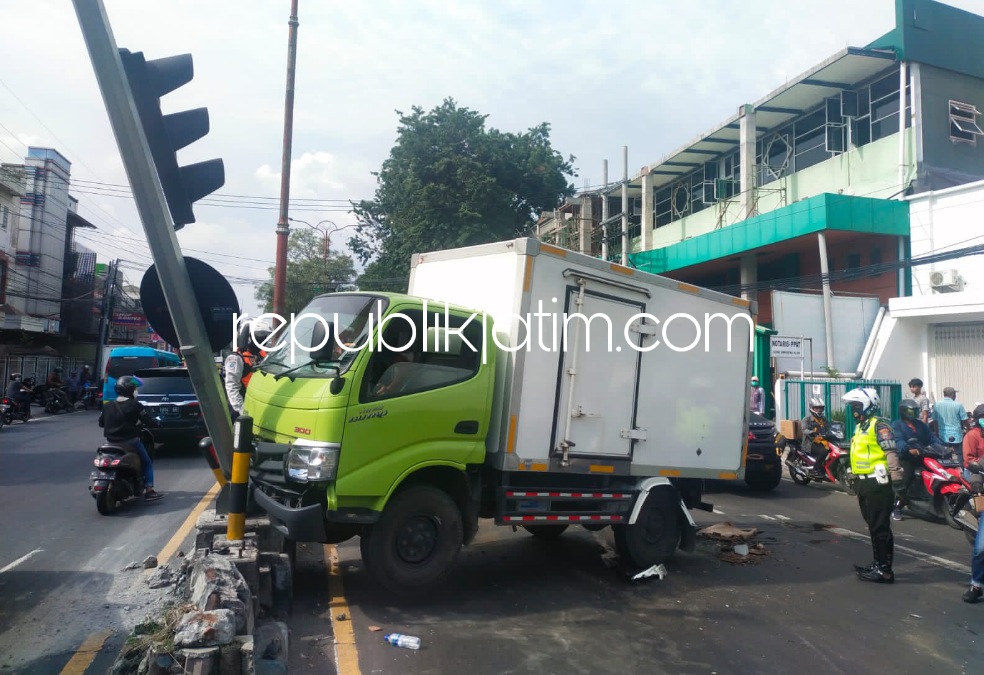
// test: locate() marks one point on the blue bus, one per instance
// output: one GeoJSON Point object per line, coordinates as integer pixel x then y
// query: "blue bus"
{"type": "Point", "coordinates": [128, 360]}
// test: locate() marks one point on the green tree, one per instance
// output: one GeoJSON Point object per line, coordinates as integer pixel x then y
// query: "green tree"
{"type": "Point", "coordinates": [450, 182]}
{"type": "Point", "coordinates": [307, 274]}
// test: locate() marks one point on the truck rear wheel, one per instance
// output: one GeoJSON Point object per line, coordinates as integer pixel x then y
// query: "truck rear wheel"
{"type": "Point", "coordinates": [416, 540]}
{"type": "Point", "coordinates": [655, 535]}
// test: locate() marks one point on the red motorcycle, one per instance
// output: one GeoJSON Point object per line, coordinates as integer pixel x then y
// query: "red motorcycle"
{"type": "Point", "coordinates": [836, 467]}
{"type": "Point", "coordinates": [938, 489]}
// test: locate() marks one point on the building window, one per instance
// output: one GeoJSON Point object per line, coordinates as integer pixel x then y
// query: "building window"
{"type": "Point", "coordinates": [4, 217]}
{"type": "Point", "coordinates": [963, 123]}
{"type": "Point", "coordinates": [876, 256]}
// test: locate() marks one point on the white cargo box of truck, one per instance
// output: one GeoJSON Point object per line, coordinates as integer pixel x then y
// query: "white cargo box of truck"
{"type": "Point", "coordinates": [651, 379]}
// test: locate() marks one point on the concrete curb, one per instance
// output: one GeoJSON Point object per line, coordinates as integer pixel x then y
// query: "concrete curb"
{"type": "Point", "coordinates": [232, 602]}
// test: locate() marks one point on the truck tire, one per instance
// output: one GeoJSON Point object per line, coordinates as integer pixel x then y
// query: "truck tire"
{"type": "Point", "coordinates": [416, 541]}
{"type": "Point", "coordinates": [545, 531]}
{"type": "Point", "coordinates": [655, 536]}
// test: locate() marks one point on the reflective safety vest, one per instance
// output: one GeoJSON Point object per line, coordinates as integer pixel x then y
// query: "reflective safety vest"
{"type": "Point", "coordinates": [866, 454]}
{"type": "Point", "coordinates": [249, 360]}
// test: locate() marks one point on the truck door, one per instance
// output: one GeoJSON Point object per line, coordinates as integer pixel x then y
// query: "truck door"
{"type": "Point", "coordinates": [417, 401]}
{"type": "Point", "coordinates": [598, 417]}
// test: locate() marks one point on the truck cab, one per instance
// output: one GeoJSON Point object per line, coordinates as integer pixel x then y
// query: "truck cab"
{"type": "Point", "coordinates": [397, 395]}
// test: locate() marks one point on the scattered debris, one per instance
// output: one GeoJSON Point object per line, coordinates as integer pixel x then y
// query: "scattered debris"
{"type": "Point", "coordinates": [342, 617]}
{"type": "Point", "coordinates": [742, 554]}
{"type": "Point", "coordinates": [375, 629]}
{"type": "Point", "coordinates": [655, 570]}
{"type": "Point", "coordinates": [150, 562]}
{"type": "Point", "coordinates": [161, 577]}
{"type": "Point", "coordinates": [727, 532]}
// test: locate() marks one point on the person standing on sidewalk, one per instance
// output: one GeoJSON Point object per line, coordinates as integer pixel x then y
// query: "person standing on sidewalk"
{"type": "Point", "coordinates": [973, 451]}
{"type": "Point", "coordinates": [875, 463]}
{"type": "Point", "coordinates": [758, 396]}
{"type": "Point", "coordinates": [919, 396]}
{"type": "Point", "coordinates": [951, 417]}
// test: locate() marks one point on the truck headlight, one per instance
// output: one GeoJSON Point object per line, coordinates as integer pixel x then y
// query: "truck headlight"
{"type": "Point", "coordinates": [310, 461]}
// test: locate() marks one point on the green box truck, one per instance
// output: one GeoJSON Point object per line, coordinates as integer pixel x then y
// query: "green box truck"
{"type": "Point", "coordinates": [516, 382]}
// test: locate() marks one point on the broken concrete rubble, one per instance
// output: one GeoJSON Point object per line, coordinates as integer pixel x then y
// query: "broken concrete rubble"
{"type": "Point", "coordinates": [226, 594]}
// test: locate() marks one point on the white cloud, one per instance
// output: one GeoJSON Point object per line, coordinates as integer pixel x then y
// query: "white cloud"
{"type": "Point", "coordinates": [647, 75]}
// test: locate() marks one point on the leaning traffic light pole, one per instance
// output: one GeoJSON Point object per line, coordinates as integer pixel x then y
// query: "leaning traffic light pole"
{"type": "Point", "coordinates": [163, 191]}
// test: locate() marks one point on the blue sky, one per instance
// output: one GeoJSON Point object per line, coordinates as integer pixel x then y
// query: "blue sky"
{"type": "Point", "coordinates": [650, 76]}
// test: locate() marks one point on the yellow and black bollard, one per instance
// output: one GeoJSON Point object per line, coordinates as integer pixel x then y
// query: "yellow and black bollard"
{"type": "Point", "coordinates": [206, 448]}
{"type": "Point", "coordinates": [242, 443]}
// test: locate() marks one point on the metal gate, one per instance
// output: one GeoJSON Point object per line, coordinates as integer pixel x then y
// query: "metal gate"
{"type": "Point", "coordinates": [958, 361]}
{"type": "Point", "coordinates": [795, 397]}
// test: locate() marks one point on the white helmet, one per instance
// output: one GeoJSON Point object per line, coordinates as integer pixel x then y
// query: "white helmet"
{"type": "Point", "coordinates": [862, 402]}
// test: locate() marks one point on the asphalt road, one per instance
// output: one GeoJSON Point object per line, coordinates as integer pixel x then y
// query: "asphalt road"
{"type": "Point", "coordinates": [61, 585]}
{"type": "Point", "coordinates": [520, 605]}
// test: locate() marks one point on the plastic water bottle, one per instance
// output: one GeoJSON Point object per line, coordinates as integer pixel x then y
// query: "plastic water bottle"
{"type": "Point", "coordinates": [405, 641]}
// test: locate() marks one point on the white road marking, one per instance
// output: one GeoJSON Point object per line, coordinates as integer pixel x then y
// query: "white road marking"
{"type": "Point", "coordinates": [720, 513]}
{"type": "Point", "coordinates": [23, 558]}
{"type": "Point", "coordinates": [766, 517]}
{"type": "Point", "coordinates": [919, 555]}
{"type": "Point", "coordinates": [781, 517]}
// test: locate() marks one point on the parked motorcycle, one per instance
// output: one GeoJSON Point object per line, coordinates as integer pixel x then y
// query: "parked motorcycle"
{"type": "Point", "coordinates": [938, 490]}
{"type": "Point", "coordinates": [119, 474]}
{"type": "Point", "coordinates": [969, 516]}
{"type": "Point", "coordinates": [836, 467]}
{"type": "Point", "coordinates": [11, 410]}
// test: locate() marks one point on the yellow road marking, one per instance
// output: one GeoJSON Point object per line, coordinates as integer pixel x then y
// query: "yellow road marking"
{"type": "Point", "coordinates": [86, 653]}
{"type": "Point", "coordinates": [171, 547]}
{"type": "Point", "coordinates": [346, 653]}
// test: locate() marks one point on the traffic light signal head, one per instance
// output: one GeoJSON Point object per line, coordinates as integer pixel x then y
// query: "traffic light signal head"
{"type": "Point", "coordinates": [166, 134]}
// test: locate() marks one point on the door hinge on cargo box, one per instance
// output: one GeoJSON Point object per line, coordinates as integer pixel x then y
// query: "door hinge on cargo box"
{"type": "Point", "coordinates": [634, 434]}
{"type": "Point", "coordinates": [644, 328]}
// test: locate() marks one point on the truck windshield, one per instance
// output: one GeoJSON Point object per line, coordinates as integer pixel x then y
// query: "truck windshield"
{"type": "Point", "coordinates": [351, 317]}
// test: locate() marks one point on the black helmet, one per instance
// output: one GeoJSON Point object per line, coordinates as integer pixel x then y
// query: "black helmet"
{"type": "Point", "coordinates": [909, 409]}
{"type": "Point", "coordinates": [127, 385]}
{"type": "Point", "coordinates": [978, 412]}
{"type": "Point", "coordinates": [15, 377]}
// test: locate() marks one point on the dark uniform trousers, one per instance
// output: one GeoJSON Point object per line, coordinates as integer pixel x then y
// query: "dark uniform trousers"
{"type": "Point", "coordinates": [877, 501]}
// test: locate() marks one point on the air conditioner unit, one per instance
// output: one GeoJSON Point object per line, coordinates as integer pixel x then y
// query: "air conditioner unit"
{"type": "Point", "coordinates": [947, 281]}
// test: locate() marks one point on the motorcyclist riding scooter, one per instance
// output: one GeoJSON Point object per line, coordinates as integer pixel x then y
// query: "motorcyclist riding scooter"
{"type": "Point", "coordinates": [911, 435]}
{"type": "Point", "coordinates": [815, 426]}
{"type": "Point", "coordinates": [121, 420]}
{"type": "Point", "coordinates": [19, 393]}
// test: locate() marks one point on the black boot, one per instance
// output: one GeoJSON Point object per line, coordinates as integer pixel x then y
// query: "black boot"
{"type": "Point", "coordinates": [864, 568]}
{"type": "Point", "coordinates": [878, 573]}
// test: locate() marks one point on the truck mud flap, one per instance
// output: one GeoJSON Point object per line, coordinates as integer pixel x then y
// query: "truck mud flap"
{"type": "Point", "coordinates": [688, 530]}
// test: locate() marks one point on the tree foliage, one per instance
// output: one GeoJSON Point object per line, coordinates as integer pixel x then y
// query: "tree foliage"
{"type": "Point", "coordinates": [450, 182]}
{"type": "Point", "coordinates": [307, 274]}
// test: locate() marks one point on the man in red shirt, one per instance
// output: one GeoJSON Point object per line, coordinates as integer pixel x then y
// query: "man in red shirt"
{"type": "Point", "coordinates": [973, 451]}
{"type": "Point", "coordinates": [973, 442]}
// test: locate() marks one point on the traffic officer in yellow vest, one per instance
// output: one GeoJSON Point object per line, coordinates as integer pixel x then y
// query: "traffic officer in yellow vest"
{"type": "Point", "coordinates": [875, 464]}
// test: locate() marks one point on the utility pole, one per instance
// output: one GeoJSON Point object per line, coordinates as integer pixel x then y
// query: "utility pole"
{"type": "Point", "coordinates": [604, 211]}
{"type": "Point", "coordinates": [107, 307]}
{"type": "Point", "coordinates": [625, 206]}
{"type": "Point", "coordinates": [283, 229]}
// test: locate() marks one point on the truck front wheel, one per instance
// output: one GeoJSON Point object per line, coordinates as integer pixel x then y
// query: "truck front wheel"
{"type": "Point", "coordinates": [417, 539]}
{"type": "Point", "coordinates": [655, 535]}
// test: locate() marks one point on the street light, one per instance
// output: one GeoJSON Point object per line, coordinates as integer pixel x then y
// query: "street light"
{"type": "Point", "coordinates": [326, 233]}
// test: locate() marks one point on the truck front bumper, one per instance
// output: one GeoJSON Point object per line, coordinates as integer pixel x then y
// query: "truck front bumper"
{"type": "Point", "coordinates": [306, 523]}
